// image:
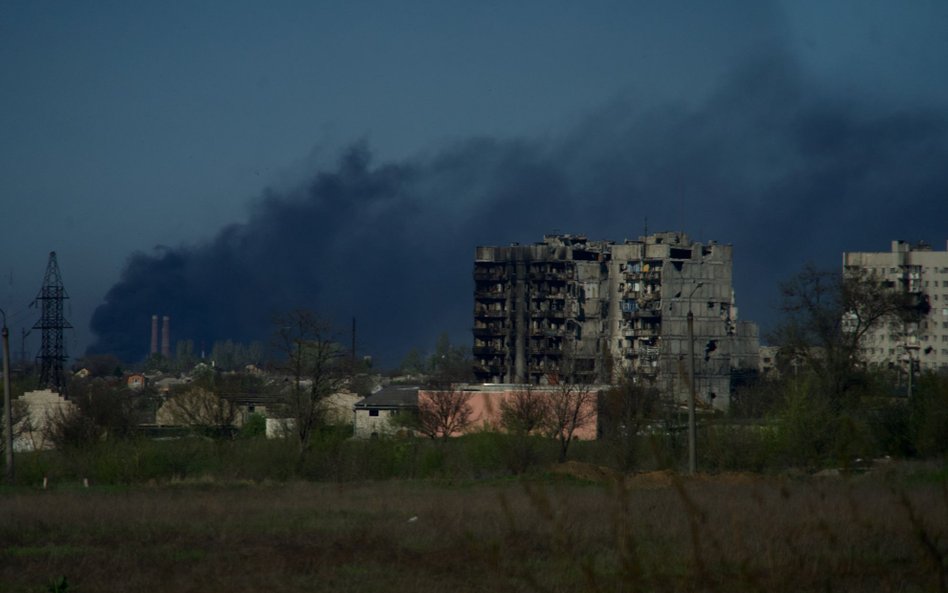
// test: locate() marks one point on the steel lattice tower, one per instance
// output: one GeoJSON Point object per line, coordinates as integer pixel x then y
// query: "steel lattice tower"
{"type": "Point", "coordinates": [52, 355]}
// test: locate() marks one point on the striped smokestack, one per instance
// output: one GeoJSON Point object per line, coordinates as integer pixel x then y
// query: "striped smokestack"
{"type": "Point", "coordinates": [154, 334]}
{"type": "Point", "coordinates": [166, 336]}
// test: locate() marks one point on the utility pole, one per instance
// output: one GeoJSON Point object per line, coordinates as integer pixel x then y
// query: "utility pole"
{"type": "Point", "coordinates": [911, 366]}
{"type": "Point", "coordinates": [23, 333]}
{"type": "Point", "coordinates": [7, 404]}
{"type": "Point", "coordinates": [692, 425]}
{"type": "Point", "coordinates": [692, 429]}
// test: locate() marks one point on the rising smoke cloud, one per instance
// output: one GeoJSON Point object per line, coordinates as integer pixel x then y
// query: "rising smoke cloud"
{"type": "Point", "coordinates": [786, 171]}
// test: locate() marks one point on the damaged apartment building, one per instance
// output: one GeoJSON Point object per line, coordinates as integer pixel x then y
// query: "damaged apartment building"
{"type": "Point", "coordinates": [920, 272]}
{"type": "Point", "coordinates": [574, 310]}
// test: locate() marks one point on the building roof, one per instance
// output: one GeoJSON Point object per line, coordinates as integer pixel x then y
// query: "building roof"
{"type": "Point", "coordinates": [393, 396]}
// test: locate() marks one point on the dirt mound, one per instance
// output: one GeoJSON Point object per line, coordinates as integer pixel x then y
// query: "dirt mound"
{"type": "Point", "coordinates": [646, 480]}
{"type": "Point", "coordinates": [650, 480]}
{"type": "Point", "coordinates": [586, 471]}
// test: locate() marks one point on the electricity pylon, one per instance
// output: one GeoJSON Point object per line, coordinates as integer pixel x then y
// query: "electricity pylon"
{"type": "Point", "coordinates": [52, 354]}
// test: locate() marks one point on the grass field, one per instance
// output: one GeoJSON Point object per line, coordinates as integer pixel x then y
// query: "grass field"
{"type": "Point", "coordinates": [883, 531]}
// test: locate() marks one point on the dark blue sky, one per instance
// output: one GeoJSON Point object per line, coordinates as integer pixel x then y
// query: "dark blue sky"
{"type": "Point", "coordinates": [792, 129]}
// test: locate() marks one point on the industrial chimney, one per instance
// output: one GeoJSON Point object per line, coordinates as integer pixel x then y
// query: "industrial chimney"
{"type": "Point", "coordinates": [154, 334]}
{"type": "Point", "coordinates": [166, 336]}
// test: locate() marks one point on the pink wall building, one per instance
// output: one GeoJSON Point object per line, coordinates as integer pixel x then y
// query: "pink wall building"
{"type": "Point", "coordinates": [485, 402]}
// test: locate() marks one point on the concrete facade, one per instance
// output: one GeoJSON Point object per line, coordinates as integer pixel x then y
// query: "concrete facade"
{"type": "Point", "coordinates": [486, 409]}
{"type": "Point", "coordinates": [43, 407]}
{"type": "Point", "coordinates": [920, 271]}
{"type": "Point", "coordinates": [571, 309]}
{"type": "Point", "coordinates": [374, 415]}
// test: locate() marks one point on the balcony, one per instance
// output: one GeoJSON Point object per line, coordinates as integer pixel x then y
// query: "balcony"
{"type": "Point", "coordinates": [486, 351]}
{"type": "Point", "coordinates": [652, 310]}
{"type": "Point", "coordinates": [489, 274]}
{"type": "Point", "coordinates": [546, 351]}
{"type": "Point", "coordinates": [548, 314]}
{"type": "Point", "coordinates": [489, 313]}
{"type": "Point", "coordinates": [490, 294]}
{"type": "Point", "coordinates": [489, 331]}
{"type": "Point", "coordinates": [548, 296]}
{"type": "Point", "coordinates": [557, 276]}
{"type": "Point", "coordinates": [491, 368]}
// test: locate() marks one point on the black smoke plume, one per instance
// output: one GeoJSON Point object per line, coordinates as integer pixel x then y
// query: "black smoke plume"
{"type": "Point", "coordinates": [786, 171]}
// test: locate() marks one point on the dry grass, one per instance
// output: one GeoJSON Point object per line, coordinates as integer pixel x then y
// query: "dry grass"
{"type": "Point", "coordinates": [656, 532]}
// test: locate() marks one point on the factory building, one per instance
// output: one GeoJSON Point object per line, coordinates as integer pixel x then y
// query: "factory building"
{"type": "Point", "coordinates": [921, 272]}
{"type": "Point", "coordinates": [573, 310]}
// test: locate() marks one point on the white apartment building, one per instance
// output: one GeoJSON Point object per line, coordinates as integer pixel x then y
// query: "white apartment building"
{"type": "Point", "coordinates": [915, 269]}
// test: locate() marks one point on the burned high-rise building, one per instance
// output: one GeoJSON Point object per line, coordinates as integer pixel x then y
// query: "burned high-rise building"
{"type": "Point", "coordinates": [571, 309]}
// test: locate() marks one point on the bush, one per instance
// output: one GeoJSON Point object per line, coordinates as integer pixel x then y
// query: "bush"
{"type": "Point", "coordinates": [737, 447]}
{"type": "Point", "coordinates": [929, 415]}
{"type": "Point", "coordinates": [254, 427]}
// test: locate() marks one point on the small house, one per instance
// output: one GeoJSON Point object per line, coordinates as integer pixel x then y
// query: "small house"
{"type": "Point", "coordinates": [376, 414]}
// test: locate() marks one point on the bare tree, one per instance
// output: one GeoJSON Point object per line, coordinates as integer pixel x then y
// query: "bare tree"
{"type": "Point", "coordinates": [102, 411]}
{"type": "Point", "coordinates": [315, 365]}
{"type": "Point", "coordinates": [829, 316]}
{"type": "Point", "coordinates": [199, 407]}
{"type": "Point", "coordinates": [572, 399]}
{"type": "Point", "coordinates": [523, 414]}
{"type": "Point", "coordinates": [625, 410]}
{"type": "Point", "coordinates": [572, 406]}
{"type": "Point", "coordinates": [444, 411]}
{"type": "Point", "coordinates": [526, 411]}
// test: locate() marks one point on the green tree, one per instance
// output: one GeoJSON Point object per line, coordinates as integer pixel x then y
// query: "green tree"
{"type": "Point", "coordinates": [184, 358]}
{"type": "Point", "coordinates": [929, 415]}
{"type": "Point", "coordinates": [450, 363]}
{"type": "Point", "coordinates": [254, 427]}
{"type": "Point", "coordinates": [413, 363]}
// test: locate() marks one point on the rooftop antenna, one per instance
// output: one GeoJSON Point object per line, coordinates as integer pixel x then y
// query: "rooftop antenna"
{"type": "Point", "coordinates": [52, 354]}
{"type": "Point", "coordinates": [646, 226]}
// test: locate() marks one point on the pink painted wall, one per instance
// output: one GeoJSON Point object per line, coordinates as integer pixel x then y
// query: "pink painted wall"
{"type": "Point", "coordinates": [486, 410]}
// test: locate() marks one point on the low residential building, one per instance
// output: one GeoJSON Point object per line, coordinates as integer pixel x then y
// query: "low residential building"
{"type": "Point", "coordinates": [136, 381]}
{"type": "Point", "coordinates": [376, 414]}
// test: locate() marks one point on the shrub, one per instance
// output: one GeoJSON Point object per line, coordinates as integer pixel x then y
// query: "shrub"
{"type": "Point", "coordinates": [254, 427]}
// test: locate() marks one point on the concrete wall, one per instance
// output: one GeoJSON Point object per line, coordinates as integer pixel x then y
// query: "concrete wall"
{"type": "Point", "coordinates": [485, 402]}
{"type": "Point", "coordinates": [368, 426]}
{"type": "Point", "coordinates": [43, 407]}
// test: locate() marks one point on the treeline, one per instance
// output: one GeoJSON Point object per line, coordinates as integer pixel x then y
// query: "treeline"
{"type": "Point", "coordinates": [639, 433]}
{"type": "Point", "coordinates": [224, 354]}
